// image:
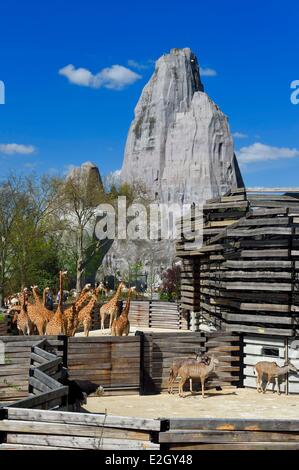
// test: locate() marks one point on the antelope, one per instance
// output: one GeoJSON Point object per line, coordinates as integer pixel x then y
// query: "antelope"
{"type": "Point", "coordinates": [272, 371]}
{"type": "Point", "coordinates": [177, 363]}
{"type": "Point", "coordinates": [196, 370]}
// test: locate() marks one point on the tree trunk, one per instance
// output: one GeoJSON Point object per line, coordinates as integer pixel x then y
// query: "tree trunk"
{"type": "Point", "coordinates": [79, 275]}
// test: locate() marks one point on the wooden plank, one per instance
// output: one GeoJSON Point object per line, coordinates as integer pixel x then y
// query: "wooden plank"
{"type": "Point", "coordinates": [226, 436]}
{"type": "Point", "coordinates": [49, 428]}
{"type": "Point", "coordinates": [80, 442]}
{"type": "Point", "coordinates": [91, 419]}
{"type": "Point", "coordinates": [244, 424]}
{"type": "Point", "coordinates": [258, 318]}
{"type": "Point", "coordinates": [37, 400]}
{"type": "Point", "coordinates": [237, 446]}
{"type": "Point", "coordinates": [257, 264]}
{"type": "Point", "coordinates": [45, 379]}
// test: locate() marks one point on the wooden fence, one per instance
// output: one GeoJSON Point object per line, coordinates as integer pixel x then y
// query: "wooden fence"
{"type": "Point", "coordinates": [5, 326]}
{"type": "Point", "coordinates": [45, 370]}
{"type": "Point", "coordinates": [230, 434]}
{"type": "Point", "coordinates": [14, 370]}
{"type": "Point", "coordinates": [26, 429]}
{"type": "Point", "coordinates": [160, 349]}
{"type": "Point", "coordinates": [157, 314]}
{"type": "Point", "coordinates": [109, 361]}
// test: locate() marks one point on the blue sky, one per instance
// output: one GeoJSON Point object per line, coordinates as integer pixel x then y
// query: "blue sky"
{"type": "Point", "coordinates": [252, 45]}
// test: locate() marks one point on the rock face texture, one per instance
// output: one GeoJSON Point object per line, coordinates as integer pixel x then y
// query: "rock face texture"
{"type": "Point", "coordinates": [179, 143]}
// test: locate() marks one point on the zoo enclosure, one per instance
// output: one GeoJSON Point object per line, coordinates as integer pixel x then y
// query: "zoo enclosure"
{"type": "Point", "coordinates": [120, 365]}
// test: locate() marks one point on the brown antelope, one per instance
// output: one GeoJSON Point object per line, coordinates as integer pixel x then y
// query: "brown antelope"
{"type": "Point", "coordinates": [271, 370]}
{"type": "Point", "coordinates": [177, 363]}
{"type": "Point", "coordinates": [196, 370]}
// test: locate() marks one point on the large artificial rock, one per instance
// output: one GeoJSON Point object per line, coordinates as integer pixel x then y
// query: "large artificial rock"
{"type": "Point", "coordinates": [179, 144]}
{"type": "Point", "coordinates": [180, 147]}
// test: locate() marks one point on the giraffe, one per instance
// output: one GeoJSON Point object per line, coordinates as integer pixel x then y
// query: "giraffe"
{"type": "Point", "coordinates": [38, 312]}
{"type": "Point", "coordinates": [24, 323]}
{"type": "Point", "coordinates": [121, 325]}
{"type": "Point", "coordinates": [56, 325]}
{"type": "Point", "coordinates": [71, 312]}
{"type": "Point", "coordinates": [38, 315]}
{"type": "Point", "coordinates": [35, 312]}
{"type": "Point", "coordinates": [85, 314]}
{"type": "Point", "coordinates": [110, 308]}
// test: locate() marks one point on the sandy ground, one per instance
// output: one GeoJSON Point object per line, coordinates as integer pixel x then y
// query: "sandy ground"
{"type": "Point", "coordinates": [106, 332]}
{"type": "Point", "coordinates": [229, 403]}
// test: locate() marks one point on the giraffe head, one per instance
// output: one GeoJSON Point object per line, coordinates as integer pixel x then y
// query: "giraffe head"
{"type": "Point", "coordinates": [121, 286]}
{"type": "Point", "coordinates": [97, 290]}
{"type": "Point", "coordinates": [34, 288]}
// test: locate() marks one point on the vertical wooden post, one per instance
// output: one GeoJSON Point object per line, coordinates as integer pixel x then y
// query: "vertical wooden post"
{"type": "Point", "coordinates": [193, 324]}
{"type": "Point", "coordinates": [286, 357]}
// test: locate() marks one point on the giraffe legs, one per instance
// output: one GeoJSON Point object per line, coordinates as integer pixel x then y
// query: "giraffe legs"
{"type": "Point", "coordinates": [86, 325]}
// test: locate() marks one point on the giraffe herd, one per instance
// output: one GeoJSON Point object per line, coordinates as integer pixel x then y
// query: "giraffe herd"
{"type": "Point", "coordinates": [35, 318]}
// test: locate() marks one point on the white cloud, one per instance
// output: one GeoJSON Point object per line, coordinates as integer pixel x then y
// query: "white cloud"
{"type": "Point", "coordinates": [115, 77]}
{"type": "Point", "coordinates": [207, 72]}
{"type": "Point", "coordinates": [239, 135]}
{"type": "Point", "coordinates": [11, 149]}
{"type": "Point", "coordinates": [258, 152]}
{"type": "Point", "coordinates": [141, 65]}
{"type": "Point", "coordinates": [78, 76]}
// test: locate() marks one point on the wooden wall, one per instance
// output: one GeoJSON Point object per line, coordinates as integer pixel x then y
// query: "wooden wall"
{"type": "Point", "coordinates": [160, 349]}
{"type": "Point", "coordinates": [245, 276]}
{"type": "Point", "coordinates": [267, 348]}
{"type": "Point", "coordinates": [109, 361]}
{"type": "Point", "coordinates": [157, 314]}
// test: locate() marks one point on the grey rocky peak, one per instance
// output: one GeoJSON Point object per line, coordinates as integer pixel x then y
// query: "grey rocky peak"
{"type": "Point", "coordinates": [179, 143]}
{"type": "Point", "coordinates": [88, 174]}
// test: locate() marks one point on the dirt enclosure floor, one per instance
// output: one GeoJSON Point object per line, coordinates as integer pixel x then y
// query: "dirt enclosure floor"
{"type": "Point", "coordinates": [228, 403]}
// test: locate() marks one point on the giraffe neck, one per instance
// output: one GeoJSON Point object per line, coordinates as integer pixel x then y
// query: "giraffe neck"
{"type": "Point", "coordinates": [127, 307]}
{"type": "Point", "coordinates": [80, 301]}
{"type": "Point", "coordinates": [44, 297]}
{"type": "Point", "coordinates": [114, 300]}
{"type": "Point", "coordinates": [35, 295]}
